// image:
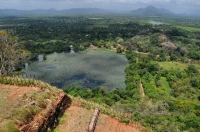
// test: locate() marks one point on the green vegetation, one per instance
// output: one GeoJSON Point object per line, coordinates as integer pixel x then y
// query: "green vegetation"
{"type": "Point", "coordinates": [62, 120]}
{"type": "Point", "coordinates": [176, 65]}
{"type": "Point", "coordinates": [190, 29]}
{"type": "Point", "coordinates": [173, 65]}
{"type": "Point", "coordinates": [171, 96]}
{"type": "Point", "coordinates": [12, 54]}
{"type": "Point", "coordinates": [165, 85]}
{"type": "Point", "coordinates": [162, 77]}
{"type": "Point", "coordinates": [9, 127]}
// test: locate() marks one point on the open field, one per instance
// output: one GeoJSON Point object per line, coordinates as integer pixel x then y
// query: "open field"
{"type": "Point", "coordinates": [175, 65]}
{"type": "Point", "coordinates": [165, 85]}
{"type": "Point", "coordinates": [190, 29]}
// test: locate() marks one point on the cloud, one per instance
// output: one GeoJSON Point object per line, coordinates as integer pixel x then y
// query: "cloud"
{"type": "Point", "coordinates": [120, 1]}
{"type": "Point", "coordinates": [109, 1]}
{"type": "Point", "coordinates": [176, 5]}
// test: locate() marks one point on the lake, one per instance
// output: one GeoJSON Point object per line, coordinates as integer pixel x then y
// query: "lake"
{"type": "Point", "coordinates": [89, 69]}
{"type": "Point", "coordinates": [155, 22]}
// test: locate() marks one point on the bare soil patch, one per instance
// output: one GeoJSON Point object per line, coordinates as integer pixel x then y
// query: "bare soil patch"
{"type": "Point", "coordinates": [92, 47]}
{"type": "Point", "coordinates": [17, 92]}
{"type": "Point", "coordinates": [168, 45]}
{"type": "Point", "coordinates": [108, 124]}
{"type": "Point", "coordinates": [10, 97]}
{"type": "Point", "coordinates": [77, 119]}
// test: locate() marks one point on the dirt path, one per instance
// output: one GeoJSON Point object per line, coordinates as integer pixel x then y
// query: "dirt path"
{"type": "Point", "coordinates": [77, 119]}
{"type": "Point", "coordinates": [142, 90]}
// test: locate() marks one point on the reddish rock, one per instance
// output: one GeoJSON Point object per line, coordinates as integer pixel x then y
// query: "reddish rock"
{"type": "Point", "coordinates": [40, 123]}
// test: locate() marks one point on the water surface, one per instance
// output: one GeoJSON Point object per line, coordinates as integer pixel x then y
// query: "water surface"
{"type": "Point", "coordinates": [155, 22]}
{"type": "Point", "coordinates": [89, 69]}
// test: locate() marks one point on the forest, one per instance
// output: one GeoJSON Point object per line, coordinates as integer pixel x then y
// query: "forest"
{"type": "Point", "coordinates": [162, 78]}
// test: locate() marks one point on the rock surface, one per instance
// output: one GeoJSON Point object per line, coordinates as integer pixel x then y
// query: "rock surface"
{"type": "Point", "coordinates": [42, 123]}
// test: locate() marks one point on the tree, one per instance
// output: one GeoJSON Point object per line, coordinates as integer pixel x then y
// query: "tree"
{"type": "Point", "coordinates": [12, 53]}
{"type": "Point", "coordinates": [195, 82]}
{"type": "Point", "coordinates": [192, 69]}
{"type": "Point", "coordinates": [119, 50]}
{"type": "Point", "coordinates": [154, 39]}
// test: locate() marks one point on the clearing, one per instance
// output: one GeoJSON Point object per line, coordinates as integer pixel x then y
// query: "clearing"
{"type": "Point", "coordinates": [190, 29]}
{"type": "Point", "coordinates": [176, 65]}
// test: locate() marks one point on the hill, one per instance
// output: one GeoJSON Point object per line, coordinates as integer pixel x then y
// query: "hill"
{"type": "Point", "coordinates": [31, 105]}
{"type": "Point", "coordinates": [152, 11]}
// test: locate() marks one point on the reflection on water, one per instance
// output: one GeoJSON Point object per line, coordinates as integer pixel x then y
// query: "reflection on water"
{"type": "Point", "coordinates": [50, 67]}
{"type": "Point", "coordinates": [155, 23]}
{"type": "Point", "coordinates": [88, 69]}
{"type": "Point", "coordinates": [40, 57]}
{"type": "Point", "coordinates": [26, 65]}
{"type": "Point", "coordinates": [72, 51]}
{"type": "Point", "coordinates": [78, 80]}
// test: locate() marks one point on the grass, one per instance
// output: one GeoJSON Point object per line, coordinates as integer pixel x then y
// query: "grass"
{"type": "Point", "coordinates": [175, 65]}
{"type": "Point", "coordinates": [4, 104]}
{"type": "Point", "coordinates": [18, 111]}
{"type": "Point", "coordinates": [9, 127]}
{"type": "Point", "coordinates": [190, 29]}
{"type": "Point", "coordinates": [62, 120]}
{"type": "Point", "coordinates": [56, 130]}
{"type": "Point", "coordinates": [165, 85]}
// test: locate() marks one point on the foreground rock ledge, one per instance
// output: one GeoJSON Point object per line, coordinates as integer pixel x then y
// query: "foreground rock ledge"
{"type": "Point", "coordinates": [41, 123]}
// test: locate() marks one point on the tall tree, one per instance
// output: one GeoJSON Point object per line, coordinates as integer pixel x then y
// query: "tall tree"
{"type": "Point", "coordinates": [12, 53]}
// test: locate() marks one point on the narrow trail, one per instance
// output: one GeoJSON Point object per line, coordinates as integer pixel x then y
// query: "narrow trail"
{"type": "Point", "coordinates": [142, 90]}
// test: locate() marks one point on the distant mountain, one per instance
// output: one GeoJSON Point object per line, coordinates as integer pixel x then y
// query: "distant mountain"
{"type": "Point", "coordinates": [85, 11]}
{"type": "Point", "coordinates": [152, 11]}
{"type": "Point", "coordinates": [15, 12]}
{"type": "Point", "coordinates": [195, 12]}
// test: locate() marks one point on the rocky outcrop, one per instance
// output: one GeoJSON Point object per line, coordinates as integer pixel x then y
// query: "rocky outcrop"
{"type": "Point", "coordinates": [50, 119]}
{"type": "Point", "coordinates": [93, 121]}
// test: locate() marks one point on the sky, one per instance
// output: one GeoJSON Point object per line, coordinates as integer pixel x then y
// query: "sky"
{"type": "Point", "coordinates": [177, 6]}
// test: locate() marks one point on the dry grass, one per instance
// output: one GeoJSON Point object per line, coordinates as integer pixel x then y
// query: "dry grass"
{"type": "Point", "coordinates": [19, 104]}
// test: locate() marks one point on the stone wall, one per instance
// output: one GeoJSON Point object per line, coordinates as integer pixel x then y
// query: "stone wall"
{"type": "Point", "coordinates": [50, 120]}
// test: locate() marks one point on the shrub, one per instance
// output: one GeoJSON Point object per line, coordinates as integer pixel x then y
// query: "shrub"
{"type": "Point", "coordinates": [21, 115]}
{"type": "Point", "coordinates": [9, 127]}
{"type": "Point", "coordinates": [41, 102]}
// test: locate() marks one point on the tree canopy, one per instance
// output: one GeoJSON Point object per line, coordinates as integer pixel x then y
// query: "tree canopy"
{"type": "Point", "coordinates": [11, 53]}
